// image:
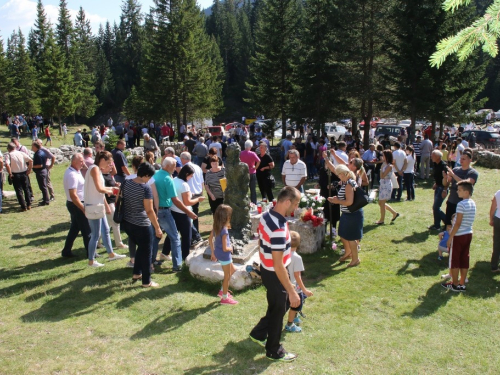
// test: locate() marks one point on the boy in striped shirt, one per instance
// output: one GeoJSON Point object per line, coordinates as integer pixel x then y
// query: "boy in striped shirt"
{"type": "Point", "coordinates": [461, 237]}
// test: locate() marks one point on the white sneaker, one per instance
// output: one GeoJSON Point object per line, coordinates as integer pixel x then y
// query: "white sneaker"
{"type": "Point", "coordinates": [165, 257]}
{"type": "Point", "coordinates": [130, 264]}
{"type": "Point", "coordinates": [446, 276]}
{"type": "Point", "coordinates": [116, 257]}
{"type": "Point", "coordinates": [122, 246]}
{"type": "Point", "coordinates": [96, 264]}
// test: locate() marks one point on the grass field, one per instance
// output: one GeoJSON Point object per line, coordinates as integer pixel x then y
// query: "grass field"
{"type": "Point", "coordinates": [388, 316]}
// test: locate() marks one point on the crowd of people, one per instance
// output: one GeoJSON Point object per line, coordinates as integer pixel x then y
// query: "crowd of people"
{"type": "Point", "coordinates": [162, 193]}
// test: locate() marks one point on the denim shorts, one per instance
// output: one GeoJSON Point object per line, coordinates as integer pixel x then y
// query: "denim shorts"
{"type": "Point", "coordinates": [225, 262]}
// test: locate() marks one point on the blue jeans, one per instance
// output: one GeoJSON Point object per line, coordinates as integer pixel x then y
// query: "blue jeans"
{"type": "Point", "coordinates": [167, 223]}
{"type": "Point", "coordinates": [436, 207]}
{"type": "Point", "coordinates": [98, 227]}
{"type": "Point", "coordinates": [253, 187]}
{"type": "Point", "coordinates": [185, 225]}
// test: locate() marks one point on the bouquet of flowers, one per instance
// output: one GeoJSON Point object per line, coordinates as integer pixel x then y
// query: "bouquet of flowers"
{"type": "Point", "coordinates": [312, 201]}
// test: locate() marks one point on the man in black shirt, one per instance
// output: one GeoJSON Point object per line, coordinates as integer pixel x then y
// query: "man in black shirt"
{"type": "Point", "coordinates": [440, 192]}
{"type": "Point", "coordinates": [40, 168]}
{"type": "Point", "coordinates": [300, 147]}
{"type": "Point", "coordinates": [190, 143]}
{"type": "Point", "coordinates": [121, 163]}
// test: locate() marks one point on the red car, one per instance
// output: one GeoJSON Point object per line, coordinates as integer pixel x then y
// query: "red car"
{"type": "Point", "coordinates": [373, 123]}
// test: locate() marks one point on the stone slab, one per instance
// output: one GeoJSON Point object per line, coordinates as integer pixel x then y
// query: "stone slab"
{"type": "Point", "coordinates": [248, 251]}
{"type": "Point", "coordinates": [206, 270]}
{"type": "Point", "coordinates": [311, 238]}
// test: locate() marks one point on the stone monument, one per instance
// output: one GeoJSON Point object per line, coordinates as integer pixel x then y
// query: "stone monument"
{"type": "Point", "coordinates": [236, 196]}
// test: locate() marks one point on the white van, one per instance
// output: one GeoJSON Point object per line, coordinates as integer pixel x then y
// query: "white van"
{"type": "Point", "coordinates": [335, 131]}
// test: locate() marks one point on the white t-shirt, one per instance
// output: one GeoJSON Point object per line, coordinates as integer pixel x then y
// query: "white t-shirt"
{"type": "Point", "coordinates": [196, 182]}
{"type": "Point", "coordinates": [218, 146]}
{"type": "Point", "coordinates": [410, 164]}
{"type": "Point", "coordinates": [342, 155]}
{"type": "Point", "coordinates": [181, 187]}
{"type": "Point", "coordinates": [294, 173]}
{"type": "Point", "coordinates": [497, 197]}
{"type": "Point", "coordinates": [296, 265]}
{"type": "Point", "coordinates": [73, 179]}
{"type": "Point", "coordinates": [134, 175]}
{"type": "Point", "coordinates": [372, 133]}
{"type": "Point", "coordinates": [459, 150]}
{"type": "Point", "coordinates": [399, 157]}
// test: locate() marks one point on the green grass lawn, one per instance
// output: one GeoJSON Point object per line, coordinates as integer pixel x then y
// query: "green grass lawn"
{"type": "Point", "coordinates": [388, 316]}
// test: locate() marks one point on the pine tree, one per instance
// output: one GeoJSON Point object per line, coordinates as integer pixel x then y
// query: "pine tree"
{"type": "Point", "coordinates": [57, 92]}
{"type": "Point", "coordinates": [187, 84]}
{"type": "Point", "coordinates": [363, 55]}
{"type": "Point", "coordinates": [319, 90]}
{"type": "Point", "coordinates": [276, 41]}
{"type": "Point", "coordinates": [129, 39]}
{"type": "Point", "coordinates": [5, 79]}
{"type": "Point", "coordinates": [456, 83]}
{"type": "Point", "coordinates": [23, 96]}
{"type": "Point", "coordinates": [64, 29]}
{"type": "Point", "coordinates": [83, 66]}
{"type": "Point", "coordinates": [409, 74]}
{"type": "Point", "coordinates": [38, 37]}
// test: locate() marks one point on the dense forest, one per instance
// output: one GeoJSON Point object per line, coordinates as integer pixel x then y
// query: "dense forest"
{"type": "Point", "coordinates": [288, 59]}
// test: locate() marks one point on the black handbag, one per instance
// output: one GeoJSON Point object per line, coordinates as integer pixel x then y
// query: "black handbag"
{"type": "Point", "coordinates": [360, 200]}
{"type": "Point", "coordinates": [119, 206]}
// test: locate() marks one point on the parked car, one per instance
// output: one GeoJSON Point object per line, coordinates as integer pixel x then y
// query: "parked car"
{"type": "Point", "coordinates": [373, 122]}
{"type": "Point", "coordinates": [484, 139]}
{"type": "Point", "coordinates": [335, 131]}
{"type": "Point", "coordinates": [404, 123]}
{"type": "Point", "coordinates": [393, 131]}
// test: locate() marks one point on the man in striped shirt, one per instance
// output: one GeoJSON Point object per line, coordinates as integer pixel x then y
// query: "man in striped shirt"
{"type": "Point", "coordinates": [275, 256]}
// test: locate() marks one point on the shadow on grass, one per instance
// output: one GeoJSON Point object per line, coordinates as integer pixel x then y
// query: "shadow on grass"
{"type": "Point", "coordinates": [22, 287]}
{"type": "Point", "coordinates": [484, 284]}
{"type": "Point", "coordinates": [47, 264]}
{"type": "Point", "coordinates": [163, 324]}
{"type": "Point", "coordinates": [41, 241]}
{"type": "Point", "coordinates": [76, 298]}
{"type": "Point", "coordinates": [185, 284]}
{"type": "Point", "coordinates": [428, 265]}
{"type": "Point", "coordinates": [55, 228]}
{"type": "Point", "coordinates": [435, 297]}
{"type": "Point", "coordinates": [235, 358]}
{"type": "Point", "coordinates": [415, 237]}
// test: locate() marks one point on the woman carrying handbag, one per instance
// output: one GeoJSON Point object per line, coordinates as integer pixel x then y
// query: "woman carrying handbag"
{"type": "Point", "coordinates": [96, 206]}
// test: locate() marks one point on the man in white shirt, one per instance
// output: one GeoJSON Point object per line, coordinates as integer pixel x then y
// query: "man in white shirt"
{"type": "Point", "coordinates": [215, 143]}
{"type": "Point", "coordinates": [19, 166]}
{"type": "Point", "coordinates": [339, 156]}
{"type": "Point", "coordinates": [73, 182]}
{"type": "Point", "coordinates": [196, 186]}
{"type": "Point", "coordinates": [399, 157]}
{"type": "Point", "coordinates": [372, 134]}
{"type": "Point", "coordinates": [294, 172]}
{"type": "Point", "coordinates": [459, 151]}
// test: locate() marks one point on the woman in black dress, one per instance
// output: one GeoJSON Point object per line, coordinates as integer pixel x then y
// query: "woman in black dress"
{"type": "Point", "coordinates": [264, 172]}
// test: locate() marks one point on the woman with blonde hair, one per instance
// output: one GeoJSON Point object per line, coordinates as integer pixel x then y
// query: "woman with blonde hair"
{"type": "Point", "coordinates": [351, 223]}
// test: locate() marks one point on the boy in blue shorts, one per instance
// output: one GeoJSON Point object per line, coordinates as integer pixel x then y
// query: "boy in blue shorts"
{"type": "Point", "coordinates": [294, 270]}
{"type": "Point", "coordinates": [461, 237]}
